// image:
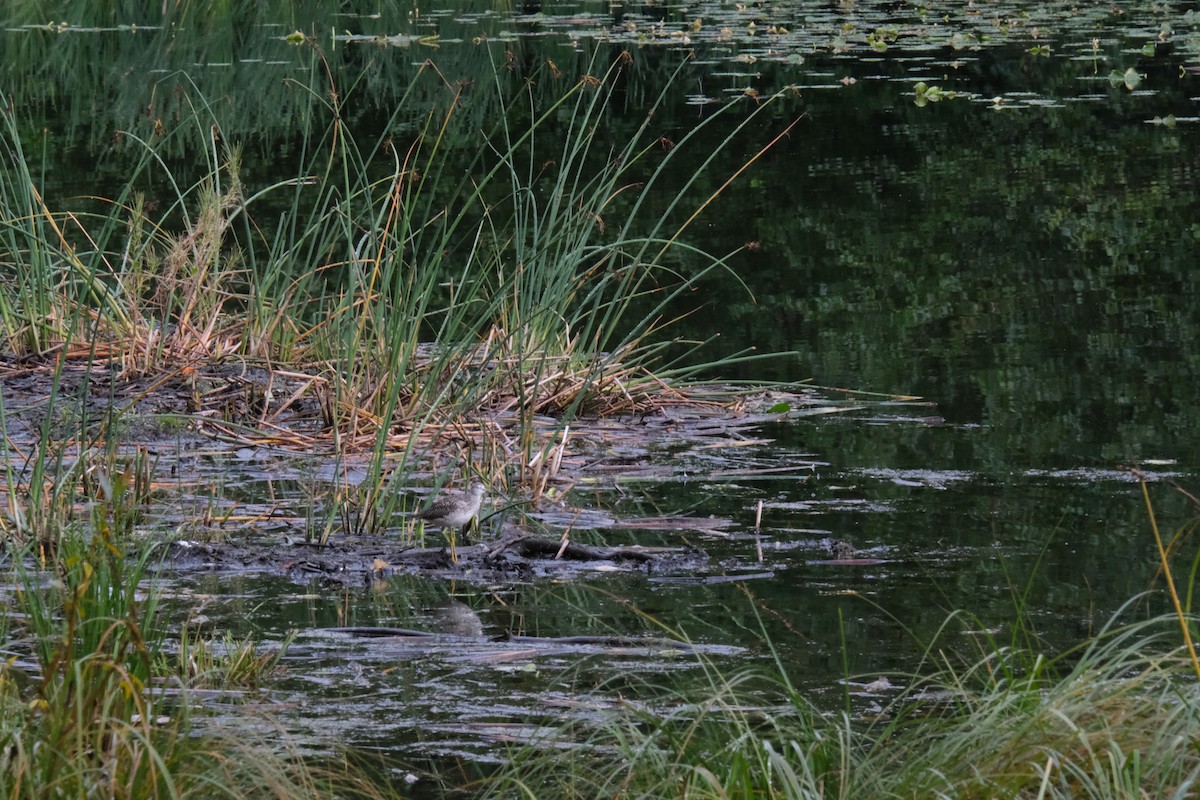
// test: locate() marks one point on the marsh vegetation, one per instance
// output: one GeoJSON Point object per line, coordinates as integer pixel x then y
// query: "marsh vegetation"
{"type": "Point", "coordinates": [269, 283]}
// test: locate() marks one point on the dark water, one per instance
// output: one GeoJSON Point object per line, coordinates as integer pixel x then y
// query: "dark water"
{"type": "Point", "coordinates": [1022, 255]}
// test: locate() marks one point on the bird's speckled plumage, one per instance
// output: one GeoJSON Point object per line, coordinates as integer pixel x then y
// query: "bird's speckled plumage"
{"type": "Point", "coordinates": [454, 510]}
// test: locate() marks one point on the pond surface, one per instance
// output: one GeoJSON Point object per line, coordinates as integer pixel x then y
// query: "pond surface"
{"type": "Point", "coordinates": [1017, 247]}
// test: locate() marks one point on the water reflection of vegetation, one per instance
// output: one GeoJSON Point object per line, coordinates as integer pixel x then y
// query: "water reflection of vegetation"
{"type": "Point", "coordinates": [954, 299]}
{"type": "Point", "coordinates": [92, 60]}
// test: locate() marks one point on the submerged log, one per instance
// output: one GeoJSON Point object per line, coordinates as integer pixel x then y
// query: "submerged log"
{"type": "Point", "coordinates": [539, 547]}
{"type": "Point", "coordinates": [379, 633]}
{"type": "Point", "coordinates": [371, 559]}
{"type": "Point", "coordinates": [607, 641]}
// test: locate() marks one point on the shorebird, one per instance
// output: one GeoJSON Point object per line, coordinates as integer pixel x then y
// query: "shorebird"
{"type": "Point", "coordinates": [454, 511]}
{"type": "Point", "coordinates": [839, 550]}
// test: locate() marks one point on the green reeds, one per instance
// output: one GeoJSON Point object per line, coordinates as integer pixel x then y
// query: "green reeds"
{"type": "Point", "coordinates": [46, 481]}
{"type": "Point", "coordinates": [498, 297]}
{"type": "Point", "coordinates": [90, 723]}
{"type": "Point", "coordinates": [49, 291]}
{"type": "Point", "coordinates": [1116, 717]}
{"type": "Point", "coordinates": [222, 661]}
{"type": "Point", "coordinates": [404, 291]}
{"type": "Point", "coordinates": [1115, 714]}
{"type": "Point", "coordinates": [84, 711]}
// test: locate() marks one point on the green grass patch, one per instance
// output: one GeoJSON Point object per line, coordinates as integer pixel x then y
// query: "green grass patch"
{"type": "Point", "coordinates": [402, 286]}
{"type": "Point", "coordinates": [1116, 718]}
{"type": "Point", "coordinates": [92, 704]}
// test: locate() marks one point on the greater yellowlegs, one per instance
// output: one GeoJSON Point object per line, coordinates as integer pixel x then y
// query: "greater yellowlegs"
{"type": "Point", "coordinates": [454, 510]}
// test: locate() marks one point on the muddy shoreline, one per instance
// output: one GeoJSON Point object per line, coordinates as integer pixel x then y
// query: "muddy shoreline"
{"type": "Point", "coordinates": [234, 485]}
{"type": "Point", "coordinates": [355, 561]}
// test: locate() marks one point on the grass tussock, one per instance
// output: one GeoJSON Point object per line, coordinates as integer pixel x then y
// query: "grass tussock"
{"type": "Point", "coordinates": [92, 703]}
{"type": "Point", "coordinates": [1116, 719]}
{"type": "Point", "coordinates": [394, 292]}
